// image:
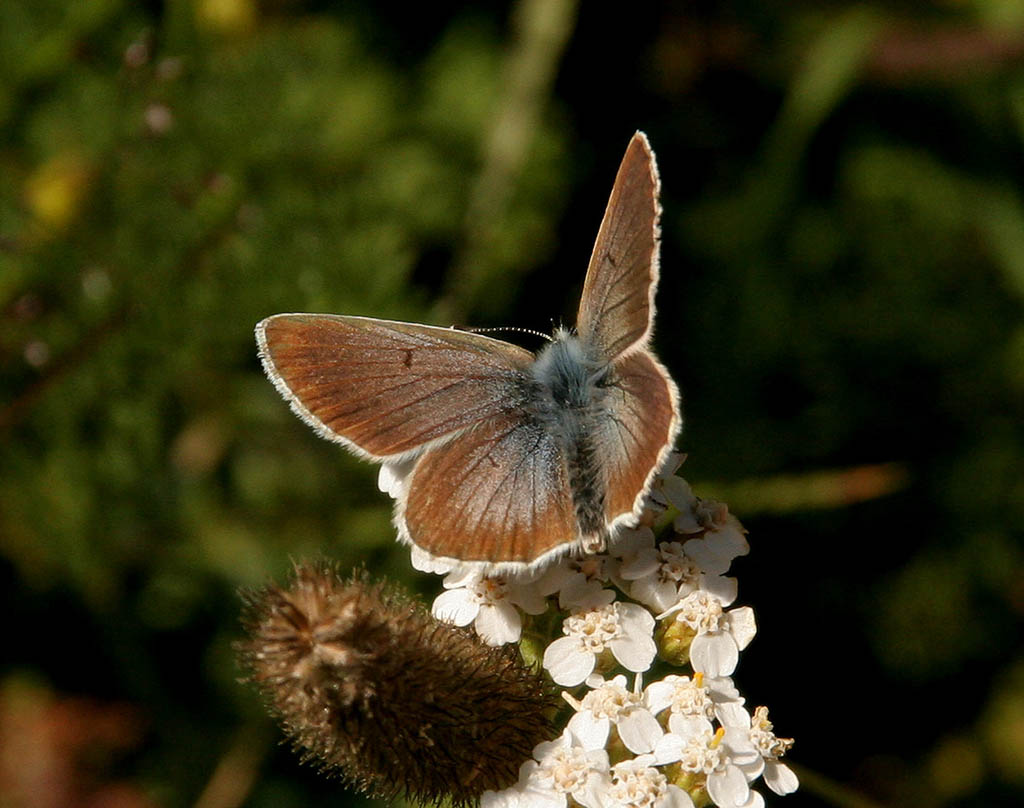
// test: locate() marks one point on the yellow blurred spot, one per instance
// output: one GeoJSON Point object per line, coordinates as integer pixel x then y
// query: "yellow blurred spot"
{"type": "Point", "coordinates": [199, 447]}
{"type": "Point", "coordinates": [226, 16]}
{"type": "Point", "coordinates": [955, 767]}
{"type": "Point", "coordinates": [37, 353]}
{"type": "Point", "coordinates": [1002, 725]}
{"type": "Point", "coordinates": [55, 191]}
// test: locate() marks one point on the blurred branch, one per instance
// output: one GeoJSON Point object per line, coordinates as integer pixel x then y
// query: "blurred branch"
{"type": "Point", "coordinates": [904, 52]}
{"type": "Point", "coordinates": [541, 31]}
{"type": "Point", "coordinates": [235, 773]}
{"type": "Point", "coordinates": [23, 401]}
{"type": "Point", "coordinates": [829, 791]}
{"type": "Point", "coordinates": [831, 488]}
{"type": "Point", "coordinates": [831, 67]}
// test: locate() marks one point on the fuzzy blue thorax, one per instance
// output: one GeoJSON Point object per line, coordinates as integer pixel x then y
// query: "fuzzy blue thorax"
{"type": "Point", "coordinates": [565, 369]}
{"type": "Point", "coordinates": [572, 406]}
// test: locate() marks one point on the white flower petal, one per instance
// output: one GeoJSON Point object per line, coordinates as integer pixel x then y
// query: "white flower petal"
{"type": "Point", "coordinates": [715, 551]}
{"type": "Point", "coordinates": [780, 778]}
{"type": "Point", "coordinates": [742, 751]}
{"type": "Point", "coordinates": [742, 626]}
{"type": "Point", "coordinates": [755, 801]}
{"type": "Point", "coordinates": [668, 749]}
{"type": "Point", "coordinates": [639, 731]}
{"type": "Point", "coordinates": [652, 591]}
{"type": "Point", "coordinates": [722, 690]}
{"type": "Point", "coordinates": [674, 797]}
{"type": "Point", "coordinates": [723, 588]}
{"type": "Point", "coordinates": [592, 795]}
{"type": "Point", "coordinates": [732, 714]}
{"type": "Point", "coordinates": [634, 618]}
{"type": "Point", "coordinates": [391, 478]}
{"type": "Point", "coordinates": [632, 540]}
{"type": "Point", "coordinates": [543, 750]}
{"type": "Point", "coordinates": [714, 653]}
{"type": "Point", "coordinates": [537, 795]}
{"type": "Point", "coordinates": [595, 680]}
{"type": "Point", "coordinates": [425, 562]}
{"type": "Point", "coordinates": [640, 564]}
{"type": "Point", "coordinates": [635, 652]}
{"type": "Point", "coordinates": [555, 577]}
{"type": "Point", "coordinates": [509, 798]}
{"type": "Point", "coordinates": [598, 759]}
{"type": "Point", "coordinates": [616, 681]}
{"type": "Point", "coordinates": [658, 695]}
{"type": "Point", "coordinates": [567, 662]}
{"type": "Point", "coordinates": [580, 593]}
{"type": "Point", "coordinates": [751, 763]}
{"type": "Point", "coordinates": [528, 597]}
{"type": "Point", "coordinates": [499, 623]}
{"type": "Point", "coordinates": [678, 492]}
{"type": "Point", "coordinates": [455, 606]}
{"type": "Point", "coordinates": [459, 577]}
{"type": "Point", "coordinates": [686, 523]}
{"type": "Point", "coordinates": [728, 787]}
{"type": "Point", "coordinates": [729, 538]}
{"type": "Point", "coordinates": [687, 727]}
{"type": "Point", "coordinates": [707, 559]}
{"type": "Point", "coordinates": [591, 732]}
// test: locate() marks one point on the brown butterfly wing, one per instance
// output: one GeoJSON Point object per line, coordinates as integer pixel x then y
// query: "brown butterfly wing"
{"type": "Point", "coordinates": [642, 423]}
{"type": "Point", "coordinates": [385, 388]}
{"type": "Point", "coordinates": [498, 493]}
{"type": "Point", "coordinates": [618, 295]}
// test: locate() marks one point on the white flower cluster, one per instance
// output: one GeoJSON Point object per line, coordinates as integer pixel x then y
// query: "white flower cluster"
{"type": "Point", "coordinates": [681, 740]}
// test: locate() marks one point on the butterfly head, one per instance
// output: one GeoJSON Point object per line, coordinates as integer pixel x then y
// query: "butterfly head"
{"type": "Point", "coordinates": [568, 371]}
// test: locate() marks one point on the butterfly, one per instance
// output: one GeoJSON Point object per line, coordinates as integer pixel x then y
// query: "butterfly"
{"type": "Point", "coordinates": [504, 459]}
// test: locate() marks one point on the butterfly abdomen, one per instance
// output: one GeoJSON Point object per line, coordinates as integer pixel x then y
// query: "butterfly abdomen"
{"type": "Point", "coordinates": [588, 492]}
{"type": "Point", "coordinates": [572, 404]}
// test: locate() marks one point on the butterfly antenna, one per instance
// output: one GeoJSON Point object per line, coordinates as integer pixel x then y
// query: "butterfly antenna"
{"type": "Point", "coordinates": [513, 328]}
{"type": "Point", "coordinates": [560, 326]}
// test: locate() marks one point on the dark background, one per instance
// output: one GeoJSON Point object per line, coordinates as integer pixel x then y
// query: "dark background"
{"type": "Point", "coordinates": [842, 280]}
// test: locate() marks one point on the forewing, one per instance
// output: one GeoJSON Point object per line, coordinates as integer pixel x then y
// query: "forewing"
{"type": "Point", "coordinates": [641, 428]}
{"type": "Point", "coordinates": [387, 388]}
{"type": "Point", "coordinates": [618, 295]}
{"type": "Point", "coordinates": [498, 493]}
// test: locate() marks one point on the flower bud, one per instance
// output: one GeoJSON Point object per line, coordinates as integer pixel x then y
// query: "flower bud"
{"type": "Point", "coordinates": [366, 683]}
{"type": "Point", "coordinates": [674, 639]}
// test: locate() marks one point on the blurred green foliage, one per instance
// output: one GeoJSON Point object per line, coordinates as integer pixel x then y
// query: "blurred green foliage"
{"type": "Point", "coordinates": [843, 274]}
